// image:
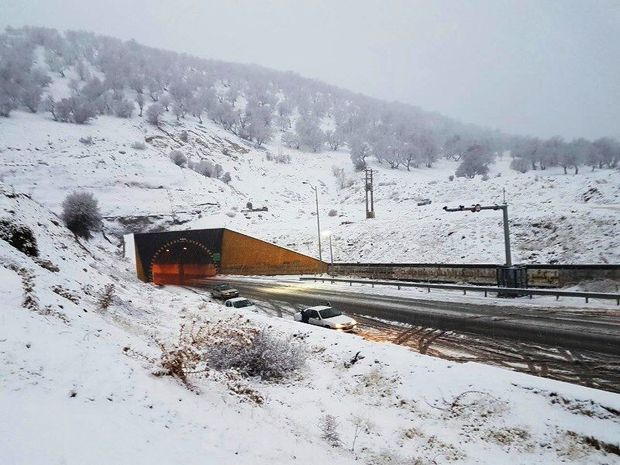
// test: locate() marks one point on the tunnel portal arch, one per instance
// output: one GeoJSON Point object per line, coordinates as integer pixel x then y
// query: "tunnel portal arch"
{"type": "Point", "coordinates": [182, 261]}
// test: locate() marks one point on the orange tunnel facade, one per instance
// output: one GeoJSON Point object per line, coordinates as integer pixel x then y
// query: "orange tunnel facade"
{"type": "Point", "coordinates": [185, 257]}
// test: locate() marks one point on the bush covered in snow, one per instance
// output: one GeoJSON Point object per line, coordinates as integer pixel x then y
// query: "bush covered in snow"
{"type": "Point", "coordinates": [283, 158]}
{"type": "Point", "coordinates": [260, 352]}
{"type": "Point", "coordinates": [154, 112]}
{"type": "Point", "coordinates": [76, 109]}
{"type": "Point", "coordinates": [211, 170]}
{"type": "Point", "coordinates": [138, 146]}
{"type": "Point", "coordinates": [204, 167]}
{"type": "Point", "coordinates": [80, 213]}
{"type": "Point", "coordinates": [226, 177]}
{"type": "Point", "coordinates": [123, 108]}
{"type": "Point", "coordinates": [178, 158]}
{"type": "Point", "coordinates": [232, 345]}
{"type": "Point", "coordinates": [520, 164]}
{"type": "Point", "coordinates": [475, 161]}
{"type": "Point", "coordinates": [343, 180]}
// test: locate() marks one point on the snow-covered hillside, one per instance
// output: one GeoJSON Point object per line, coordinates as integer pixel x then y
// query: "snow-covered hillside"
{"type": "Point", "coordinates": [77, 383]}
{"type": "Point", "coordinates": [554, 217]}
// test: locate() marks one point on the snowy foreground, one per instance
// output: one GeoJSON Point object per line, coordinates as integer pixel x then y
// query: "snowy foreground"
{"type": "Point", "coordinates": [78, 383]}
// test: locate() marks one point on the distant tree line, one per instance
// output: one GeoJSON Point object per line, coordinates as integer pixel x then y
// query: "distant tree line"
{"type": "Point", "coordinates": [107, 76]}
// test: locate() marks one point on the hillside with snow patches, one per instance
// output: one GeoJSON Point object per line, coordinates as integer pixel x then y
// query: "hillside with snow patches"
{"type": "Point", "coordinates": [90, 357]}
{"type": "Point", "coordinates": [555, 218]}
{"type": "Point", "coordinates": [239, 124]}
{"type": "Point", "coordinates": [81, 382]}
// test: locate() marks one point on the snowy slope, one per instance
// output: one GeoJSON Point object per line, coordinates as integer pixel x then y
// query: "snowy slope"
{"type": "Point", "coordinates": [554, 217]}
{"type": "Point", "coordinates": [71, 392]}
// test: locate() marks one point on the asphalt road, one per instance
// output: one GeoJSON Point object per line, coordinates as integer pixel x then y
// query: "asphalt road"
{"type": "Point", "coordinates": [553, 327]}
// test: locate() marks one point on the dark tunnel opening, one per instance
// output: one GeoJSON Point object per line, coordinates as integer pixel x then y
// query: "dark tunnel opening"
{"type": "Point", "coordinates": [182, 262]}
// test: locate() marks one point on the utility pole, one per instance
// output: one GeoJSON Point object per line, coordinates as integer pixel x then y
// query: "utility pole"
{"type": "Point", "coordinates": [318, 220]}
{"type": "Point", "coordinates": [370, 209]}
{"type": "Point", "coordinates": [504, 208]}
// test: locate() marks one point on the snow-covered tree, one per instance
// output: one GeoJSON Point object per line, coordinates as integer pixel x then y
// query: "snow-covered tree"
{"type": "Point", "coordinates": [475, 161]}
{"type": "Point", "coordinates": [154, 112]}
{"type": "Point", "coordinates": [124, 108]}
{"type": "Point", "coordinates": [140, 101]}
{"type": "Point", "coordinates": [82, 70]}
{"type": "Point", "coordinates": [360, 150]}
{"type": "Point", "coordinates": [224, 114]}
{"type": "Point", "coordinates": [290, 140]}
{"type": "Point", "coordinates": [165, 101]}
{"type": "Point", "coordinates": [32, 89]}
{"type": "Point", "coordinates": [334, 138]}
{"type": "Point", "coordinates": [309, 133]}
{"type": "Point", "coordinates": [605, 153]}
{"type": "Point", "coordinates": [80, 213]}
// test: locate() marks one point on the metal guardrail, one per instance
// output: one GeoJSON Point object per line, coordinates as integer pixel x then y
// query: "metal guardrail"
{"type": "Point", "coordinates": [486, 289]}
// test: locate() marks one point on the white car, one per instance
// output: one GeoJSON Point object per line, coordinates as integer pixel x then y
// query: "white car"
{"type": "Point", "coordinates": [327, 317]}
{"type": "Point", "coordinates": [241, 302]}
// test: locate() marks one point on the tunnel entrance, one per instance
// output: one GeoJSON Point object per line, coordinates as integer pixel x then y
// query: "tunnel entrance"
{"type": "Point", "coordinates": [182, 261]}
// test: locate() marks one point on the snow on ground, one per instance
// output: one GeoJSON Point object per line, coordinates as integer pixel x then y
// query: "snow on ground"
{"type": "Point", "coordinates": [77, 383]}
{"type": "Point", "coordinates": [554, 217]}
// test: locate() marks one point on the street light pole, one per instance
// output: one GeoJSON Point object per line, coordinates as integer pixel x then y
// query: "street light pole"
{"type": "Point", "coordinates": [506, 235]}
{"type": "Point", "coordinates": [318, 220]}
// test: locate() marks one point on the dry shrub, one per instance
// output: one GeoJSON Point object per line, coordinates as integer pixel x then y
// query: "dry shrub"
{"type": "Point", "coordinates": [19, 236]}
{"type": "Point", "coordinates": [30, 301]}
{"type": "Point", "coordinates": [235, 347]}
{"type": "Point", "coordinates": [237, 385]}
{"type": "Point", "coordinates": [261, 352]}
{"type": "Point", "coordinates": [329, 430]}
{"type": "Point", "coordinates": [66, 293]}
{"type": "Point", "coordinates": [106, 296]}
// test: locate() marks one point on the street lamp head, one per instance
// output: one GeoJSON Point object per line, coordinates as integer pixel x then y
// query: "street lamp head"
{"type": "Point", "coordinates": [326, 233]}
{"type": "Point", "coordinates": [308, 184]}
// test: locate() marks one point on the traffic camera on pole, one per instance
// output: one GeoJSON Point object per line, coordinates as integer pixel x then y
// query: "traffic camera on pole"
{"type": "Point", "coordinates": [478, 208]}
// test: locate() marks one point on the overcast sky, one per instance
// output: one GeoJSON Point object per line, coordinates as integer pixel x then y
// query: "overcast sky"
{"type": "Point", "coordinates": [524, 66]}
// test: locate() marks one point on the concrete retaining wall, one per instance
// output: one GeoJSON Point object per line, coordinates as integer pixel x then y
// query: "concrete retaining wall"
{"type": "Point", "coordinates": [538, 275]}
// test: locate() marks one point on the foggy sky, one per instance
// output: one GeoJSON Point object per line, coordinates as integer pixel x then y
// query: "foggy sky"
{"type": "Point", "coordinates": [525, 66]}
